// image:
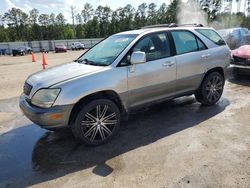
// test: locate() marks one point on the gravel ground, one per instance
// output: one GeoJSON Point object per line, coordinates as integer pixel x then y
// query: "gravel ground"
{"type": "Point", "coordinates": [174, 144]}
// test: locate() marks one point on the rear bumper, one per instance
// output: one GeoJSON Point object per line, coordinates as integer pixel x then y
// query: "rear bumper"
{"type": "Point", "coordinates": [49, 118]}
{"type": "Point", "coordinates": [60, 50]}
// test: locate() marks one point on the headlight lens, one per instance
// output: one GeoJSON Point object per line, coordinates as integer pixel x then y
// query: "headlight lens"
{"type": "Point", "coordinates": [45, 98]}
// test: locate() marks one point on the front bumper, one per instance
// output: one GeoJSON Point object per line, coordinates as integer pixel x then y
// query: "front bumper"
{"type": "Point", "coordinates": [49, 118]}
{"type": "Point", "coordinates": [241, 66]}
{"type": "Point", "coordinates": [241, 70]}
{"type": "Point", "coordinates": [228, 72]}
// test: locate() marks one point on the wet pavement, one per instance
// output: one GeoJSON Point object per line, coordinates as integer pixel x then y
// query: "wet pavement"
{"type": "Point", "coordinates": [30, 155]}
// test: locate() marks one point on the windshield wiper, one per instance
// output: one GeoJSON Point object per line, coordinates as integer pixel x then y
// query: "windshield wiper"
{"type": "Point", "coordinates": [78, 60]}
{"type": "Point", "coordinates": [85, 61]}
{"type": "Point", "coordinates": [88, 62]}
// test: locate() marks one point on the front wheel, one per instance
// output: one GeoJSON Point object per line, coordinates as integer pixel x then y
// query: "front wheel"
{"type": "Point", "coordinates": [211, 89]}
{"type": "Point", "coordinates": [97, 122]}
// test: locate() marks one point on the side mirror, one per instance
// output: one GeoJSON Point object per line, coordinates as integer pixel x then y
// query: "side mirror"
{"type": "Point", "coordinates": [138, 58]}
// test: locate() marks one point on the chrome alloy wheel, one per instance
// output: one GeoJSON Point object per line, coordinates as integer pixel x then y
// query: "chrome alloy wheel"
{"type": "Point", "coordinates": [98, 123]}
{"type": "Point", "coordinates": [214, 88]}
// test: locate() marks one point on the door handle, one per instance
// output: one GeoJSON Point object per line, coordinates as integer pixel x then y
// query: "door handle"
{"type": "Point", "coordinates": [205, 56]}
{"type": "Point", "coordinates": [168, 64]}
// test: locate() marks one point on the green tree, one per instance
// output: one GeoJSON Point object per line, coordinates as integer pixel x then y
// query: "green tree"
{"type": "Point", "coordinates": [34, 13]}
{"type": "Point", "coordinates": [44, 20]}
{"type": "Point", "coordinates": [52, 19]}
{"type": "Point", "coordinates": [92, 28]}
{"type": "Point", "coordinates": [68, 32]}
{"type": "Point", "coordinates": [162, 19]}
{"type": "Point", "coordinates": [16, 25]}
{"type": "Point", "coordinates": [129, 13]}
{"type": "Point", "coordinates": [17, 19]}
{"type": "Point", "coordinates": [3, 34]}
{"type": "Point", "coordinates": [171, 14]}
{"type": "Point", "coordinates": [141, 15]}
{"type": "Point", "coordinates": [152, 14]}
{"type": "Point", "coordinates": [211, 7]}
{"type": "Point", "coordinates": [87, 12]}
{"type": "Point", "coordinates": [78, 19]}
{"type": "Point", "coordinates": [80, 31]}
{"type": "Point", "coordinates": [34, 30]}
{"type": "Point", "coordinates": [103, 14]}
{"type": "Point", "coordinates": [115, 23]}
{"type": "Point", "coordinates": [60, 20]}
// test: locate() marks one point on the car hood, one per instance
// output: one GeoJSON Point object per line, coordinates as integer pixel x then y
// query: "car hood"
{"type": "Point", "coordinates": [60, 73]}
{"type": "Point", "coordinates": [242, 52]}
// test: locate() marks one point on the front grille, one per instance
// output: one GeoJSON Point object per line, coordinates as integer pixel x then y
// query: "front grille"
{"type": "Point", "coordinates": [27, 88]}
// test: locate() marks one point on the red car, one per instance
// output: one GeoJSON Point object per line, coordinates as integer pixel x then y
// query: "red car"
{"type": "Point", "coordinates": [60, 48]}
{"type": "Point", "coordinates": [241, 60]}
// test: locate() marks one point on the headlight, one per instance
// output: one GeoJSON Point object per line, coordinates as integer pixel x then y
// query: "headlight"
{"type": "Point", "coordinates": [45, 98]}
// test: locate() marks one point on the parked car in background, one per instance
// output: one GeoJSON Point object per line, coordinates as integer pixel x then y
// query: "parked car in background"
{"type": "Point", "coordinates": [60, 48]}
{"type": "Point", "coordinates": [235, 37]}
{"type": "Point", "coordinates": [77, 46]}
{"type": "Point", "coordinates": [22, 50]}
{"type": "Point", "coordinates": [3, 51]}
{"type": "Point", "coordinates": [124, 72]}
{"type": "Point", "coordinates": [241, 60]}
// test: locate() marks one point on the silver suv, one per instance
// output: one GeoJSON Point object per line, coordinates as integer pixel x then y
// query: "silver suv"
{"type": "Point", "coordinates": [123, 72]}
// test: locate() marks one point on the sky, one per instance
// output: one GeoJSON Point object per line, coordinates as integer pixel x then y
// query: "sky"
{"type": "Point", "coordinates": [63, 6]}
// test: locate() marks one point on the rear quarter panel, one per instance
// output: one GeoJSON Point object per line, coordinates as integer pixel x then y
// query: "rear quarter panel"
{"type": "Point", "coordinates": [219, 57]}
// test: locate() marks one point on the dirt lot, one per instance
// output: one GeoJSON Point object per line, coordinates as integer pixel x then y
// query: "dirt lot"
{"type": "Point", "coordinates": [175, 144]}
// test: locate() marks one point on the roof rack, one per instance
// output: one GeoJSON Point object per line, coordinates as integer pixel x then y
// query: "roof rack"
{"type": "Point", "coordinates": [172, 25]}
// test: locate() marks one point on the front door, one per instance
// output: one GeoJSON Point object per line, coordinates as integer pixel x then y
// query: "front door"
{"type": "Point", "coordinates": [155, 79]}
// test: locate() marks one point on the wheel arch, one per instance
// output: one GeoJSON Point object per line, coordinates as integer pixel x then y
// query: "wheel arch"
{"type": "Point", "coordinates": [215, 69]}
{"type": "Point", "coordinates": [107, 94]}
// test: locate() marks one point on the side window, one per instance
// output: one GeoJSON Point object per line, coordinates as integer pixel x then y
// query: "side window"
{"type": "Point", "coordinates": [185, 42]}
{"type": "Point", "coordinates": [156, 46]}
{"type": "Point", "coordinates": [212, 35]}
{"type": "Point", "coordinates": [201, 45]}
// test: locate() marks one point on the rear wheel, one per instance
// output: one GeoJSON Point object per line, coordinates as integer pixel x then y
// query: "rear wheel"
{"type": "Point", "coordinates": [97, 122]}
{"type": "Point", "coordinates": [211, 89]}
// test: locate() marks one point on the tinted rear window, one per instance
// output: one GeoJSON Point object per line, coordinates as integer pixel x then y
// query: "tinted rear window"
{"type": "Point", "coordinates": [212, 35]}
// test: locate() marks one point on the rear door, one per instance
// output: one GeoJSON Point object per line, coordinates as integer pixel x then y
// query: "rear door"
{"type": "Point", "coordinates": [191, 56]}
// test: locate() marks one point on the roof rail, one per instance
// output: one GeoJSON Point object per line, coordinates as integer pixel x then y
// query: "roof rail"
{"type": "Point", "coordinates": [172, 25]}
{"type": "Point", "coordinates": [194, 25]}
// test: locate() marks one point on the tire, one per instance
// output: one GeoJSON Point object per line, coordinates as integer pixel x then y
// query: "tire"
{"type": "Point", "coordinates": [97, 122]}
{"type": "Point", "coordinates": [211, 89]}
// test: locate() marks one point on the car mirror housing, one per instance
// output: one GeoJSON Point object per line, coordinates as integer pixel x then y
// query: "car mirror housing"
{"type": "Point", "coordinates": [138, 58]}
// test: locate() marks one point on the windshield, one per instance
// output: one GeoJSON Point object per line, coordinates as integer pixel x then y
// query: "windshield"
{"type": "Point", "coordinates": [105, 52]}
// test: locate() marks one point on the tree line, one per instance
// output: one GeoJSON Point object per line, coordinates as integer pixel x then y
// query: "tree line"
{"type": "Point", "coordinates": [16, 25]}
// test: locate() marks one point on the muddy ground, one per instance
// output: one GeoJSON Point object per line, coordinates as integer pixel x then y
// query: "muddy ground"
{"type": "Point", "coordinates": [174, 144]}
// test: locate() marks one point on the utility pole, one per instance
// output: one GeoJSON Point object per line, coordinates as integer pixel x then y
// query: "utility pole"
{"type": "Point", "coordinates": [72, 8]}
